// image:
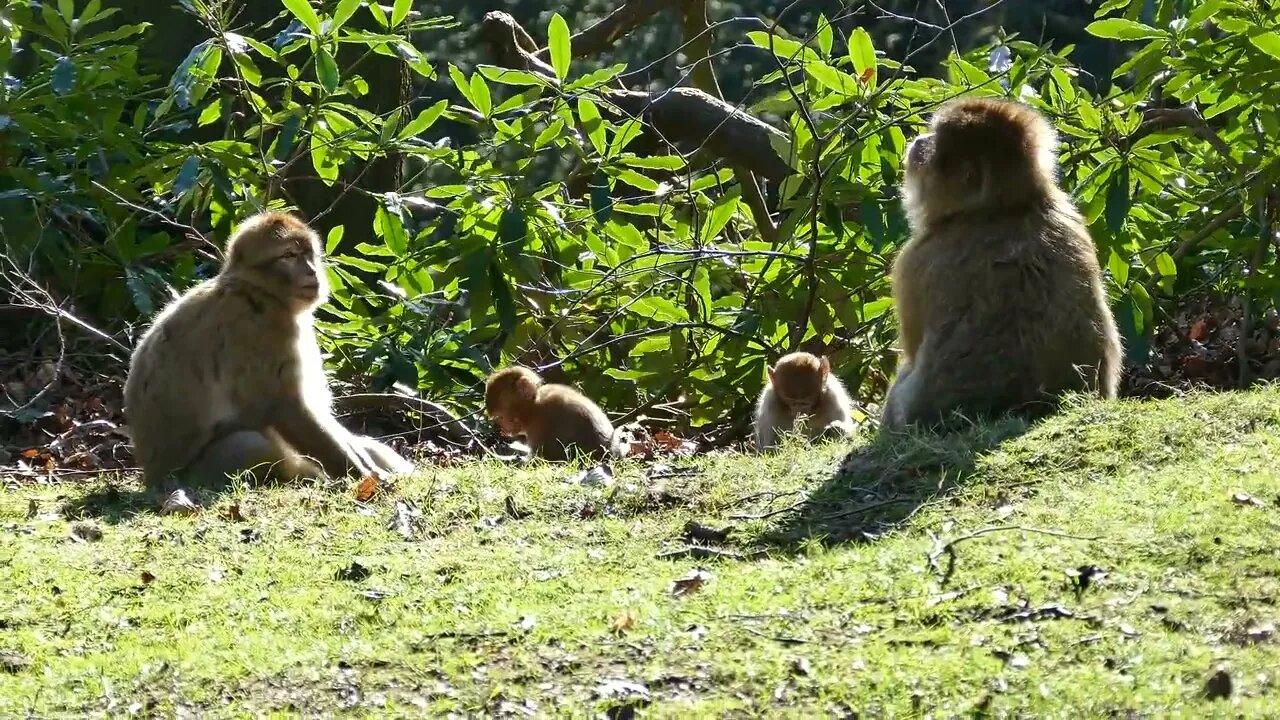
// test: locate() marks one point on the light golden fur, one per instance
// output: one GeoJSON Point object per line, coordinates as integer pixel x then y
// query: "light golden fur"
{"type": "Point", "coordinates": [801, 385]}
{"type": "Point", "coordinates": [229, 376]}
{"type": "Point", "coordinates": [556, 421]}
{"type": "Point", "coordinates": [999, 294]}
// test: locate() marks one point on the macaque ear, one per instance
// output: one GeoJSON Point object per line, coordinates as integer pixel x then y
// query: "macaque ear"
{"type": "Point", "coordinates": [825, 366]}
{"type": "Point", "coordinates": [772, 373]}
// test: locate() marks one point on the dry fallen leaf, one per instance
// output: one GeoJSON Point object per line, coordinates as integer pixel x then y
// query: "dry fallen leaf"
{"type": "Point", "coordinates": [690, 583]}
{"type": "Point", "coordinates": [1243, 498]}
{"type": "Point", "coordinates": [597, 476]}
{"type": "Point", "coordinates": [85, 532]}
{"type": "Point", "coordinates": [513, 509]}
{"type": "Point", "coordinates": [368, 489]}
{"type": "Point", "coordinates": [355, 572]}
{"type": "Point", "coordinates": [12, 661]}
{"type": "Point", "coordinates": [1219, 685]}
{"type": "Point", "coordinates": [147, 577]}
{"type": "Point", "coordinates": [673, 444]}
{"type": "Point", "coordinates": [235, 514]}
{"type": "Point", "coordinates": [179, 503]}
{"type": "Point", "coordinates": [622, 623]}
{"type": "Point", "coordinates": [695, 531]}
{"type": "Point", "coordinates": [404, 518]}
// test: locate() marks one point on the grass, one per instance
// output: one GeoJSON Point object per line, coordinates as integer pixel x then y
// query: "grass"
{"type": "Point", "coordinates": [1106, 562]}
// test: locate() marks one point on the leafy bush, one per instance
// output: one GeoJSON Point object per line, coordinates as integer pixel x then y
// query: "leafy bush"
{"type": "Point", "coordinates": [542, 223]}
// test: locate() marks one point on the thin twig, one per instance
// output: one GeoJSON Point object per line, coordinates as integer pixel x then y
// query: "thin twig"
{"type": "Point", "coordinates": [948, 548]}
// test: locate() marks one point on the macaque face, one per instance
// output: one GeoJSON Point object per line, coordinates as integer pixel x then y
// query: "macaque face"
{"type": "Point", "coordinates": [299, 267]}
{"type": "Point", "coordinates": [919, 151]}
{"type": "Point", "coordinates": [507, 425]}
{"type": "Point", "coordinates": [802, 400]}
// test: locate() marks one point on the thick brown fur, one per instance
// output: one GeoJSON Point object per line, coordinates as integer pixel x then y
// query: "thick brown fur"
{"type": "Point", "coordinates": [229, 376]}
{"type": "Point", "coordinates": [802, 385]}
{"type": "Point", "coordinates": [557, 422]}
{"type": "Point", "coordinates": [999, 294]}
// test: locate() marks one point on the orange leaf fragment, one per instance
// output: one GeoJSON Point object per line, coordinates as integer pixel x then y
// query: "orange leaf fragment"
{"type": "Point", "coordinates": [368, 489]}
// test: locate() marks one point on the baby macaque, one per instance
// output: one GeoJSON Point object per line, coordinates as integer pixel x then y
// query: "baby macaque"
{"type": "Point", "coordinates": [801, 385]}
{"type": "Point", "coordinates": [557, 422]}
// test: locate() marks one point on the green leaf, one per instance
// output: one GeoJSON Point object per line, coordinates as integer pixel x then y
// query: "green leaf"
{"type": "Point", "coordinates": [389, 126]}
{"type": "Point", "coordinates": [624, 135]}
{"type": "Point", "coordinates": [326, 70]}
{"type": "Point", "coordinates": [1267, 42]}
{"type": "Point", "coordinates": [480, 95]}
{"type": "Point", "coordinates": [1121, 29]}
{"type": "Point", "coordinates": [288, 136]}
{"type": "Point", "coordinates": [344, 11]}
{"type": "Point", "coordinates": [601, 200]}
{"type": "Point", "coordinates": [425, 120]}
{"type": "Point", "coordinates": [863, 54]}
{"type": "Point", "coordinates": [139, 292]}
{"type": "Point", "coordinates": [379, 15]}
{"type": "Point", "coordinates": [67, 9]}
{"type": "Point", "coordinates": [824, 35]}
{"type": "Point", "coordinates": [658, 308]}
{"type": "Point", "coordinates": [836, 80]}
{"type": "Point", "coordinates": [721, 213]}
{"type": "Point", "coordinates": [1119, 268]}
{"type": "Point", "coordinates": [63, 78]}
{"type": "Point", "coordinates": [387, 226]}
{"type": "Point", "coordinates": [400, 11]}
{"type": "Point", "coordinates": [507, 76]}
{"type": "Point", "coordinates": [460, 81]}
{"type": "Point", "coordinates": [302, 10]}
{"type": "Point", "coordinates": [513, 231]}
{"type": "Point", "coordinates": [592, 123]}
{"type": "Point", "coordinates": [558, 40]}
{"type": "Point", "coordinates": [335, 237]}
{"type": "Point", "coordinates": [187, 175]}
{"type": "Point", "coordinates": [784, 49]}
{"type": "Point", "coordinates": [1118, 201]}
{"type": "Point", "coordinates": [1165, 265]}
{"type": "Point", "coordinates": [211, 113]}
{"type": "Point", "coordinates": [551, 132]}
{"type": "Point", "coordinates": [655, 162]}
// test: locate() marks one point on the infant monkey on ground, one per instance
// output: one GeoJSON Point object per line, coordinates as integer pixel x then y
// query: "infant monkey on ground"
{"type": "Point", "coordinates": [802, 385]}
{"type": "Point", "coordinates": [557, 422]}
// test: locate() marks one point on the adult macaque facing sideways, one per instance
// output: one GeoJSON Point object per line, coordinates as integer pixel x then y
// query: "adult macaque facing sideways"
{"type": "Point", "coordinates": [229, 377]}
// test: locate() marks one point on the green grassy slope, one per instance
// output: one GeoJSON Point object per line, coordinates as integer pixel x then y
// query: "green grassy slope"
{"type": "Point", "coordinates": [929, 576]}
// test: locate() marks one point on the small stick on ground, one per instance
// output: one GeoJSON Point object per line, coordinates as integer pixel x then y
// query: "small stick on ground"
{"type": "Point", "coordinates": [948, 549]}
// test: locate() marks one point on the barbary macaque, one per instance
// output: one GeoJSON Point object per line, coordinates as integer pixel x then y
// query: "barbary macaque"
{"type": "Point", "coordinates": [229, 377]}
{"type": "Point", "coordinates": [999, 294]}
{"type": "Point", "coordinates": [801, 385]}
{"type": "Point", "coordinates": [556, 421]}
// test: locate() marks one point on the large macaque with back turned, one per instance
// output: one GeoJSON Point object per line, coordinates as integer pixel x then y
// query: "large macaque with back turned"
{"type": "Point", "coordinates": [801, 385]}
{"type": "Point", "coordinates": [229, 377]}
{"type": "Point", "coordinates": [556, 421]}
{"type": "Point", "coordinates": [999, 294]}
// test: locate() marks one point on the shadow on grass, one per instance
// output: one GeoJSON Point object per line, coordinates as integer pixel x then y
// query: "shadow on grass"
{"type": "Point", "coordinates": [110, 502]}
{"type": "Point", "coordinates": [115, 502]}
{"type": "Point", "coordinates": [881, 486]}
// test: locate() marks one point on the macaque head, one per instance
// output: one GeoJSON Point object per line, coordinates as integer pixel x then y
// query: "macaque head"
{"type": "Point", "coordinates": [799, 381]}
{"type": "Point", "coordinates": [280, 255]}
{"type": "Point", "coordinates": [981, 154]}
{"type": "Point", "coordinates": [510, 397]}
